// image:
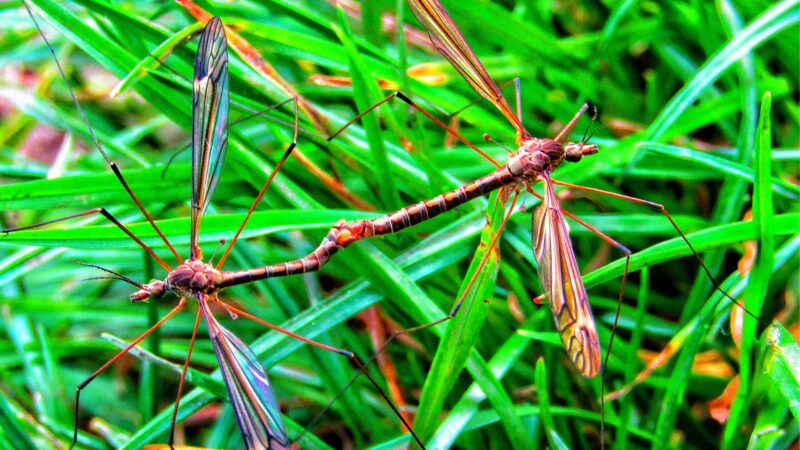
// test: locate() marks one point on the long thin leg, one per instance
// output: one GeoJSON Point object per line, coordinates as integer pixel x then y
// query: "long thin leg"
{"type": "Point", "coordinates": [414, 105]}
{"type": "Point", "coordinates": [107, 215]}
{"type": "Point", "coordinates": [479, 99]}
{"type": "Point", "coordinates": [586, 225]}
{"type": "Point", "coordinates": [492, 246]}
{"type": "Point", "coordinates": [398, 333]}
{"type": "Point", "coordinates": [332, 136]}
{"type": "Point", "coordinates": [333, 183]}
{"type": "Point", "coordinates": [347, 353]}
{"type": "Point", "coordinates": [571, 124]}
{"type": "Point", "coordinates": [660, 208]}
{"type": "Point", "coordinates": [99, 147]}
{"type": "Point", "coordinates": [183, 379]}
{"type": "Point", "coordinates": [111, 361]}
{"type": "Point", "coordinates": [263, 190]}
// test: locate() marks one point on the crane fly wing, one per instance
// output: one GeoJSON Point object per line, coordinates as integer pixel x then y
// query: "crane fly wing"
{"type": "Point", "coordinates": [210, 104]}
{"type": "Point", "coordinates": [253, 402]}
{"type": "Point", "coordinates": [450, 43]}
{"type": "Point", "coordinates": [562, 283]}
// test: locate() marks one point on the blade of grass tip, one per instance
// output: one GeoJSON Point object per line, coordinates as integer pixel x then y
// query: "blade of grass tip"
{"type": "Point", "coordinates": [543, 395]}
{"type": "Point", "coordinates": [114, 436]}
{"type": "Point", "coordinates": [755, 296]}
{"type": "Point", "coordinates": [155, 58]}
{"type": "Point", "coordinates": [782, 365]}
{"type": "Point", "coordinates": [462, 331]}
{"type": "Point", "coordinates": [366, 94]}
{"type": "Point", "coordinates": [775, 426]}
{"type": "Point", "coordinates": [633, 363]}
{"type": "Point", "coordinates": [775, 19]}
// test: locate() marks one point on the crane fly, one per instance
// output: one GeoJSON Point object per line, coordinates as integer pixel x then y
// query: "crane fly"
{"type": "Point", "coordinates": [254, 403]}
{"type": "Point", "coordinates": [558, 271]}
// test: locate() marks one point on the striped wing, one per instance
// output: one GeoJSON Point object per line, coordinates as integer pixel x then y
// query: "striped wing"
{"type": "Point", "coordinates": [255, 406]}
{"type": "Point", "coordinates": [563, 285]}
{"type": "Point", "coordinates": [210, 103]}
{"type": "Point", "coordinates": [450, 43]}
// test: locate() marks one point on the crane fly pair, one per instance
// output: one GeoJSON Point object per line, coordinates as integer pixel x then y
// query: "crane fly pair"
{"type": "Point", "coordinates": [254, 403]}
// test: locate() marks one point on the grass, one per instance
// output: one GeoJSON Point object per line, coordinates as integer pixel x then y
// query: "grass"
{"type": "Point", "coordinates": [681, 88]}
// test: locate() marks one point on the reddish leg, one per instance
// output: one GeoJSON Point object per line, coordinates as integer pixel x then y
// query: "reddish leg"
{"type": "Point", "coordinates": [333, 183]}
{"type": "Point", "coordinates": [414, 105]}
{"type": "Point", "coordinates": [332, 136]}
{"type": "Point", "coordinates": [502, 87]}
{"type": "Point", "coordinates": [111, 361]}
{"type": "Point", "coordinates": [660, 208]}
{"type": "Point", "coordinates": [263, 190]}
{"type": "Point", "coordinates": [99, 147]}
{"type": "Point", "coordinates": [347, 353]}
{"type": "Point", "coordinates": [183, 380]}
{"type": "Point", "coordinates": [107, 215]}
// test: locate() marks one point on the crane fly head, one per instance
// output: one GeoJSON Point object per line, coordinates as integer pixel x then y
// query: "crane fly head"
{"type": "Point", "coordinates": [573, 152]}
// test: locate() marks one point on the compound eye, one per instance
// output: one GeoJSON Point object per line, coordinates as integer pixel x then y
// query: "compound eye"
{"type": "Point", "coordinates": [573, 152]}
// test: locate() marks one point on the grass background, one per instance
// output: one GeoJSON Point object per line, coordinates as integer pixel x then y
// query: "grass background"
{"type": "Point", "coordinates": [680, 87]}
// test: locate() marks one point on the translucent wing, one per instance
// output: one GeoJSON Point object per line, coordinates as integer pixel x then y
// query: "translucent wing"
{"type": "Point", "coordinates": [563, 285]}
{"type": "Point", "coordinates": [449, 41]}
{"type": "Point", "coordinates": [210, 120]}
{"type": "Point", "coordinates": [255, 406]}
